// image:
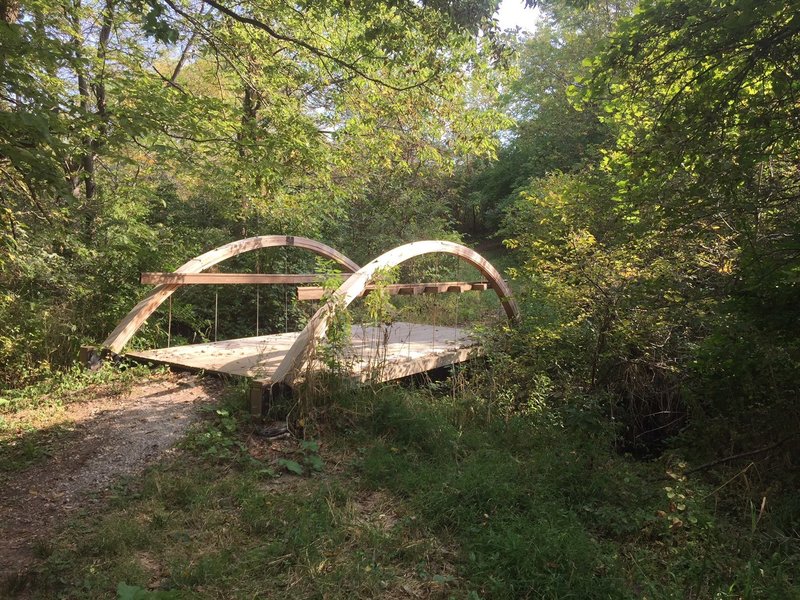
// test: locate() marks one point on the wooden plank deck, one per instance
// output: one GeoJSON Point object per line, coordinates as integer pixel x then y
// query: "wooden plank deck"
{"type": "Point", "coordinates": [375, 353]}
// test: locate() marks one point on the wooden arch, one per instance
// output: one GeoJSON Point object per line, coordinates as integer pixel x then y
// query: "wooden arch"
{"type": "Point", "coordinates": [134, 320]}
{"type": "Point", "coordinates": [317, 326]}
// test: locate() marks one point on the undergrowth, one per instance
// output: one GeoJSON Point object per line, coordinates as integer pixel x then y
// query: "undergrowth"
{"type": "Point", "coordinates": [546, 508]}
{"type": "Point", "coordinates": [59, 387]}
{"type": "Point", "coordinates": [417, 493]}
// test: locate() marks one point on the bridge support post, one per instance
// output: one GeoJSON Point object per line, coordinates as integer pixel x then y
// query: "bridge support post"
{"type": "Point", "coordinates": [263, 393]}
{"type": "Point", "coordinates": [91, 356]}
{"type": "Point", "coordinates": [258, 391]}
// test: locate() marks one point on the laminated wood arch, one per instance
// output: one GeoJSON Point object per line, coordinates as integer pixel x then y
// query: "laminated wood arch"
{"type": "Point", "coordinates": [134, 320]}
{"type": "Point", "coordinates": [317, 326]}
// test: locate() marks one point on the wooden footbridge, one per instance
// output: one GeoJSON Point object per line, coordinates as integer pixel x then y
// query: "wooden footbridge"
{"type": "Point", "coordinates": [279, 362]}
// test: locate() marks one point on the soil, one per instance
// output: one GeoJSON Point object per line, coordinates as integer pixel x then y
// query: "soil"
{"type": "Point", "coordinates": [113, 435]}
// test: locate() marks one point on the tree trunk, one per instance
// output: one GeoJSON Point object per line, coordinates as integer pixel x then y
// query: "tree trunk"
{"type": "Point", "coordinates": [9, 11]}
{"type": "Point", "coordinates": [92, 94]}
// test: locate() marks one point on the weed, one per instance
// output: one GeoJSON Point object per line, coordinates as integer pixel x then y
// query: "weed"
{"type": "Point", "coordinates": [61, 387]}
{"type": "Point", "coordinates": [20, 451]}
{"type": "Point", "coordinates": [434, 499]}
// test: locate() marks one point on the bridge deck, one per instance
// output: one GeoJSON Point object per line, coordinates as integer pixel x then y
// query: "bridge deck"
{"type": "Point", "coordinates": [375, 353]}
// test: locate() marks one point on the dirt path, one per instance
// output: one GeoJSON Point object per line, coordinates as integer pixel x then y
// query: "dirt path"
{"type": "Point", "coordinates": [113, 436]}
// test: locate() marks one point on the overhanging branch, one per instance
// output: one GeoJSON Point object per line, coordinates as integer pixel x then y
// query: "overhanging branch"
{"type": "Point", "coordinates": [319, 52]}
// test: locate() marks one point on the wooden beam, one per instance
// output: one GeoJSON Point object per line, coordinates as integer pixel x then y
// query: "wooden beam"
{"type": "Point", "coordinates": [403, 289]}
{"type": "Point", "coordinates": [231, 278]}
{"type": "Point", "coordinates": [126, 328]}
{"type": "Point", "coordinates": [293, 362]}
{"type": "Point", "coordinates": [257, 390]}
{"type": "Point", "coordinates": [85, 355]}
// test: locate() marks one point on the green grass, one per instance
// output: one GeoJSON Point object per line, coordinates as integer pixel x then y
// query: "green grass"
{"type": "Point", "coordinates": [420, 493]}
{"type": "Point", "coordinates": [20, 450]}
{"type": "Point", "coordinates": [62, 387]}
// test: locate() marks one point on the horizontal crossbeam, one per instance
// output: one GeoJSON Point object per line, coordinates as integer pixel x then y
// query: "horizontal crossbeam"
{"type": "Point", "coordinates": [232, 278]}
{"type": "Point", "coordinates": [404, 289]}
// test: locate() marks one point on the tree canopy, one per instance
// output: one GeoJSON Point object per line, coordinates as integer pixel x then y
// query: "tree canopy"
{"type": "Point", "coordinates": [127, 129]}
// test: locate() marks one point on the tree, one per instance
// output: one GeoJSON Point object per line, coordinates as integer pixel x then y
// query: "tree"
{"type": "Point", "coordinates": [670, 258]}
{"type": "Point", "coordinates": [705, 97]}
{"type": "Point", "coordinates": [550, 133]}
{"type": "Point", "coordinates": [136, 134]}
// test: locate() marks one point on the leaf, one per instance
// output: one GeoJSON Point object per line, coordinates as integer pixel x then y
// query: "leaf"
{"type": "Point", "coordinates": [310, 445]}
{"type": "Point", "coordinates": [315, 462]}
{"type": "Point", "coordinates": [291, 466]}
{"type": "Point", "coordinates": [128, 592]}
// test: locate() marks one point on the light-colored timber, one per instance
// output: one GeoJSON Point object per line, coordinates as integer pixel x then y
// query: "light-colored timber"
{"type": "Point", "coordinates": [232, 278]}
{"type": "Point", "coordinates": [141, 312]}
{"type": "Point", "coordinates": [405, 289]}
{"type": "Point", "coordinates": [278, 362]}
{"type": "Point", "coordinates": [376, 354]}
{"type": "Point", "coordinates": [297, 356]}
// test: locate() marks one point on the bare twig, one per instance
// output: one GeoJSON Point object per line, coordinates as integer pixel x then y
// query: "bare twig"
{"type": "Point", "coordinates": [741, 455]}
{"type": "Point", "coordinates": [169, 81]}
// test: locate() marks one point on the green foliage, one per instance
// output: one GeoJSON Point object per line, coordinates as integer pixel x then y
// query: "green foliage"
{"type": "Point", "coordinates": [134, 592]}
{"type": "Point", "coordinates": [550, 134]}
{"type": "Point", "coordinates": [61, 387]}
{"type": "Point", "coordinates": [378, 302]}
{"type": "Point", "coordinates": [590, 299]}
{"type": "Point", "coordinates": [690, 88]}
{"type": "Point", "coordinates": [657, 267]}
{"type": "Point", "coordinates": [266, 118]}
{"type": "Point", "coordinates": [340, 322]}
{"type": "Point", "coordinates": [291, 466]}
{"type": "Point", "coordinates": [216, 441]}
{"type": "Point", "coordinates": [545, 502]}
{"type": "Point", "coordinates": [434, 491]}
{"type": "Point", "coordinates": [311, 459]}
{"type": "Point", "coordinates": [218, 437]}
{"type": "Point", "coordinates": [646, 185]}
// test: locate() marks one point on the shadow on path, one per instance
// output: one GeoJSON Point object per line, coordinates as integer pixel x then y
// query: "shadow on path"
{"type": "Point", "coordinates": [105, 438]}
